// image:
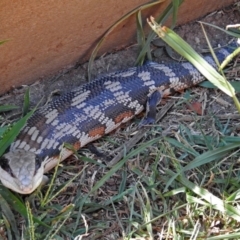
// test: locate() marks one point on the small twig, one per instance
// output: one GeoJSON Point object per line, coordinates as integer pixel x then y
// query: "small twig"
{"type": "Point", "coordinates": [189, 118]}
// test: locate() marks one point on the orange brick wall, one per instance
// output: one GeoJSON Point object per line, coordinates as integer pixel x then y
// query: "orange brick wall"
{"type": "Point", "coordinates": [47, 36]}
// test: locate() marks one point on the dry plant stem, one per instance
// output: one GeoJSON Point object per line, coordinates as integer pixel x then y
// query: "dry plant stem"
{"type": "Point", "coordinates": [134, 140]}
{"type": "Point", "coordinates": [180, 46]}
{"type": "Point", "coordinates": [189, 118]}
{"type": "Point", "coordinates": [124, 17]}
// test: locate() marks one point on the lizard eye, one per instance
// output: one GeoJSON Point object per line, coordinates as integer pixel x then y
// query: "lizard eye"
{"type": "Point", "coordinates": [5, 166]}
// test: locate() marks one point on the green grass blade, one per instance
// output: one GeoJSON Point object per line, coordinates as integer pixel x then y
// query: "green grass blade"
{"type": "Point", "coordinates": [160, 19]}
{"type": "Point", "coordinates": [140, 31]}
{"type": "Point", "coordinates": [231, 33]}
{"type": "Point", "coordinates": [235, 85]}
{"type": "Point", "coordinates": [30, 228]}
{"type": "Point", "coordinates": [124, 17]}
{"type": "Point", "coordinates": [182, 146]}
{"type": "Point", "coordinates": [2, 130]}
{"type": "Point", "coordinates": [4, 41]}
{"type": "Point", "coordinates": [176, 4]}
{"type": "Point", "coordinates": [216, 203]}
{"type": "Point", "coordinates": [184, 49]}
{"type": "Point", "coordinates": [225, 236]}
{"type": "Point", "coordinates": [9, 216]}
{"type": "Point", "coordinates": [228, 85]}
{"type": "Point", "coordinates": [230, 58]}
{"type": "Point", "coordinates": [6, 108]}
{"type": "Point", "coordinates": [17, 204]}
{"type": "Point", "coordinates": [210, 156]}
{"type": "Point", "coordinates": [121, 163]}
{"type": "Point", "coordinates": [10, 135]}
{"type": "Point", "coordinates": [205, 158]}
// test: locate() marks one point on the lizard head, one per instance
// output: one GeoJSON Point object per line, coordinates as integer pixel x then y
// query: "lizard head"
{"type": "Point", "coordinates": [21, 171]}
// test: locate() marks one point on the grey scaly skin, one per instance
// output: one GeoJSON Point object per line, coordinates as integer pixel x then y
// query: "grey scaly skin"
{"type": "Point", "coordinates": [88, 113]}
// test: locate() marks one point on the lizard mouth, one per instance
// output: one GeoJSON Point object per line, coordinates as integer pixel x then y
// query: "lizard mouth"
{"type": "Point", "coordinates": [21, 171]}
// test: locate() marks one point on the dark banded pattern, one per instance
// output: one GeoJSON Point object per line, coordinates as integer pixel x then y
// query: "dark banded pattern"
{"type": "Point", "coordinates": [93, 110]}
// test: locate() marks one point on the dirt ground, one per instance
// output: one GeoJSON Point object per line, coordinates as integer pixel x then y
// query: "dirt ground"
{"type": "Point", "coordinates": [68, 79]}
